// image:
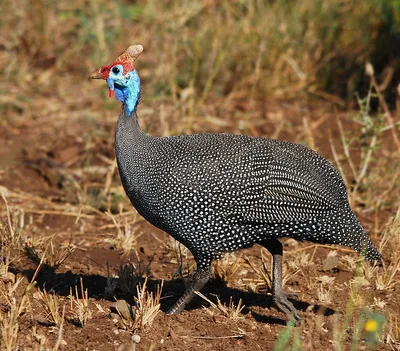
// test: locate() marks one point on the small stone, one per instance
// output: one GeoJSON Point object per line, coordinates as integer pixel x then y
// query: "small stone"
{"type": "Point", "coordinates": [361, 281]}
{"type": "Point", "coordinates": [330, 262]}
{"type": "Point", "coordinates": [124, 309]}
{"type": "Point", "coordinates": [136, 338]}
{"type": "Point", "coordinates": [116, 331]}
{"type": "Point", "coordinates": [114, 315]}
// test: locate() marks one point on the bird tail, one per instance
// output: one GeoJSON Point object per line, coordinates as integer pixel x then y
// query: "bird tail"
{"type": "Point", "coordinates": [365, 247]}
{"type": "Point", "coordinates": [368, 250]}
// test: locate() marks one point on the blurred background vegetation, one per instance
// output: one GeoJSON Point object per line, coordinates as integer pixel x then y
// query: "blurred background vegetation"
{"type": "Point", "coordinates": [287, 69]}
{"type": "Point", "coordinates": [198, 51]}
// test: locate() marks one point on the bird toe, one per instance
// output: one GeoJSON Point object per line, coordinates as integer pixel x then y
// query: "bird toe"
{"type": "Point", "coordinates": [283, 304]}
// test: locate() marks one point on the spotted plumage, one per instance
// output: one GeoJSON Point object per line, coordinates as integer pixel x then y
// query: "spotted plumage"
{"type": "Point", "coordinates": [216, 193]}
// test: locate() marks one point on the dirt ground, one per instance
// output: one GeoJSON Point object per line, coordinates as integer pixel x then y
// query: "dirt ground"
{"type": "Point", "coordinates": [58, 177]}
{"type": "Point", "coordinates": [81, 270]}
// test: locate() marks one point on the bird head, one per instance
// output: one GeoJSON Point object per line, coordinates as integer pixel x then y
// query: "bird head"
{"type": "Point", "coordinates": [122, 77]}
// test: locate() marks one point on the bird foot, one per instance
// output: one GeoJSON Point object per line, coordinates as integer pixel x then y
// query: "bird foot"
{"type": "Point", "coordinates": [284, 305]}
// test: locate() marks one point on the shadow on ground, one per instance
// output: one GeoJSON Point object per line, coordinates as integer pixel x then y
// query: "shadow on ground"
{"type": "Point", "coordinates": [62, 283]}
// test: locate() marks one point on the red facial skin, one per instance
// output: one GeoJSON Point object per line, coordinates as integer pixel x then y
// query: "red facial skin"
{"type": "Point", "coordinates": [104, 71]}
{"type": "Point", "coordinates": [101, 73]}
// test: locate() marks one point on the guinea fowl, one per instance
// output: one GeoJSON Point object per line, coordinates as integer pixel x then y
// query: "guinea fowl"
{"type": "Point", "coordinates": [217, 193]}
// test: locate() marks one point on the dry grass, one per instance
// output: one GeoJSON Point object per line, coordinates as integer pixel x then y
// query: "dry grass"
{"type": "Point", "coordinates": [147, 305]}
{"type": "Point", "coordinates": [207, 67]}
{"type": "Point", "coordinates": [126, 237]}
{"type": "Point", "coordinates": [53, 257]}
{"type": "Point", "coordinates": [49, 304]}
{"type": "Point", "coordinates": [10, 326]}
{"type": "Point", "coordinates": [16, 306]}
{"type": "Point", "coordinates": [263, 280]}
{"type": "Point", "coordinates": [130, 275]}
{"type": "Point", "coordinates": [227, 268]}
{"type": "Point", "coordinates": [80, 309]}
{"type": "Point", "coordinates": [145, 310]}
{"type": "Point", "coordinates": [12, 225]}
{"type": "Point", "coordinates": [230, 311]}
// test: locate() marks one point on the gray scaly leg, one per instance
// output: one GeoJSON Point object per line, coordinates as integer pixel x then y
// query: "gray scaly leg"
{"type": "Point", "coordinates": [274, 246]}
{"type": "Point", "coordinates": [200, 279]}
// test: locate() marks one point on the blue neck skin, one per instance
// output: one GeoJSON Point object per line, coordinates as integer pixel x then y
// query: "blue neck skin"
{"type": "Point", "coordinates": [127, 90]}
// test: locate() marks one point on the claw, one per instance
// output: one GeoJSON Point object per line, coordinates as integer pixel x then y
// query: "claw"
{"type": "Point", "coordinates": [284, 305]}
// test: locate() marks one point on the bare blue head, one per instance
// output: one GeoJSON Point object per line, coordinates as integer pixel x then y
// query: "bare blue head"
{"type": "Point", "coordinates": [125, 86]}
{"type": "Point", "coordinates": [122, 78]}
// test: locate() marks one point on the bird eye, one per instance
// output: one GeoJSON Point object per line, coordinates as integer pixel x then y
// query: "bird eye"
{"type": "Point", "coordinates": [116, 70]}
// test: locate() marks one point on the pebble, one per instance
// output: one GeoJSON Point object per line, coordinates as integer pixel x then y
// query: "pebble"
{"type": "Point", "coordinates": [136, 338]}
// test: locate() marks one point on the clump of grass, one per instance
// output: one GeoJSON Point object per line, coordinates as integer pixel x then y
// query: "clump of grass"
{"type": "Point", "coordinates": [5, 276]}
{"type": "Point", "coordinates": [225, 269]}
{"type": "Point", "coordinates": [147, 305]}
{"type": "Point", "coordinates": [324, 289]}
{"type": "Point", "coordinates": [79, 306]}
{"type": "Point", "coordinates": [53, 257]}
{"type": "Point", "coordinates": [10, 325]}
{"type": "Point", "coordinates": [230, 311]}
{"type": "Point", "coordinates": [371, 130]}
{"type": "Point", "coordinates": [263, 273]}
{"type": "Point", "coordinates": [365, 172]}
{"type": "Point", "coordinates": [126, 237]}
{"type": "Point", "coordinates": [11, 226]}
{"type": "Point", "coordinates": [392, 337]}
{"type": "Point", "coordinates": [390, 243]}
{"type": "Point", "coordinates": [49, 305]}
{"type": "Point", "coordinates": [383, 278]}
{"type": "Point", "coordinates": [145, 310]}
{"type": "Point", "coordinates": [388, 279]}
{"type": "Point", "coordinates": [15, 308]}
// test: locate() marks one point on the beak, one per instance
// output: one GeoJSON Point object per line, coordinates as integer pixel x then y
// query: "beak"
{"type": "Point", "coordinates": [97, 74]}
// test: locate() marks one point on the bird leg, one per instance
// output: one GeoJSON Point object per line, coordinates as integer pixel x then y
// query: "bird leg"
{"type": "Point", "coordinates": [280, 298]}
{"type": "Point", "coordinates": [200, 279]}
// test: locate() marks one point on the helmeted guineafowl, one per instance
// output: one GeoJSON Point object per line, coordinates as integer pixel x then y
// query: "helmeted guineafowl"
{"type": "Point", "coordinates": [216, 193]}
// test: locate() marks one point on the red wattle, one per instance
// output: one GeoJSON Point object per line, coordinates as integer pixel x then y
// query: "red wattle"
{"type": "Point", "coordinates": [110, 93]}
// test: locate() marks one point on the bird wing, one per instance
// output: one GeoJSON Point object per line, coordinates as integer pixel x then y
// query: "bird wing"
{"type": "Point", "coordinates": [256, 180]}
{"type": "Point", "coordinates": [288, 183]}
